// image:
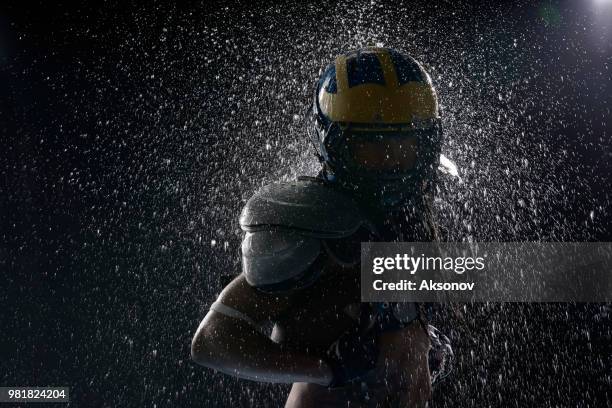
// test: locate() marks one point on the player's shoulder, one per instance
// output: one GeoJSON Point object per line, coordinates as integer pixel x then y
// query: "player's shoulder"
{"type": "Point", "coordinates": [308, 204]}
{"type": "Point", "coordinates": [286, 225]}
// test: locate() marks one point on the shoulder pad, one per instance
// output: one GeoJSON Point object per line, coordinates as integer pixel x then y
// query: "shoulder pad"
{"type": "Point", "coordinates": [276, 261]}
{"type": "Point", "coordinates": [308, 206]}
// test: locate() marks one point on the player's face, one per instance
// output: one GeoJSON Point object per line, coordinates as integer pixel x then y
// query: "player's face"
{"type": "Point", "coordinates": [380, 153]}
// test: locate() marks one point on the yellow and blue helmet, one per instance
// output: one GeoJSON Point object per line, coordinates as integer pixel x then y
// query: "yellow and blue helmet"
{"type": "Point", "coordinates": [375, 118]}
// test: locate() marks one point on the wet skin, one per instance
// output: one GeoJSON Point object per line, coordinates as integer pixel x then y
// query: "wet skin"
{"type": "Point", "coordinates": [306, 322]}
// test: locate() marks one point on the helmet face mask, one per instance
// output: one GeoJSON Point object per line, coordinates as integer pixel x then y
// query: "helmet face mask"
{"type": "Point", "coordinates": [384, 153]}
{"type": "Point", "coordinates": [382, 138]}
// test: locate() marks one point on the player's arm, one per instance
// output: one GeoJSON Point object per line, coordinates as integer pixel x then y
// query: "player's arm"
{"type": "Point", "coordinates": [229, 340]}
{"type": "Point", "coordinates": [282, 252]}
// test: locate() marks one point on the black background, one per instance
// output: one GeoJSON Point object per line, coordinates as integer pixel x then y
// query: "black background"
{"type": "Point", "coordinates": [132, 133]}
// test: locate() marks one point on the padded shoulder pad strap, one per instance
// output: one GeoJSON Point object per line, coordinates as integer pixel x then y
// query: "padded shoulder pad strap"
{"type": "Point", "coordinates": [279, 260]}
{"type": "Point", "coordinates": [311, 207]}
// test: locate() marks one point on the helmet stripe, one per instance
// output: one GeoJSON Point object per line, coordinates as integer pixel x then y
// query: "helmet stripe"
{"type": "Point", "coordinates": [341, 74]}
{"type": "Point", "coordinates": [388, 69]}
